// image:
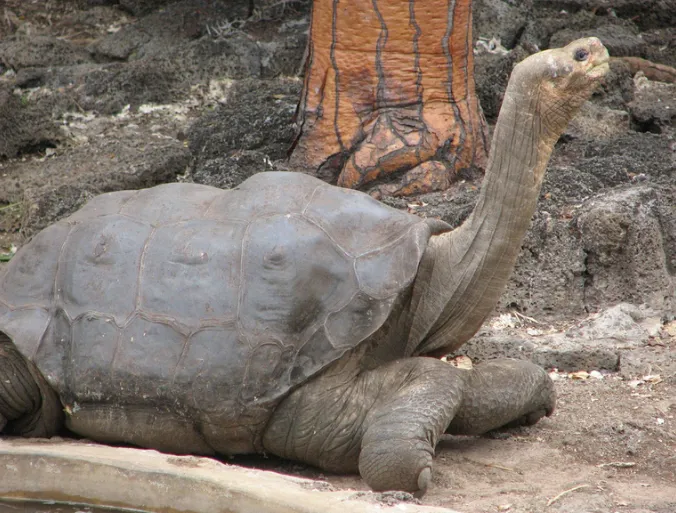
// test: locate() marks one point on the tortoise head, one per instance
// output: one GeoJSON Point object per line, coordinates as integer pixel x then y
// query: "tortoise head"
{"type": "Point", "coordinates": [557, 82]}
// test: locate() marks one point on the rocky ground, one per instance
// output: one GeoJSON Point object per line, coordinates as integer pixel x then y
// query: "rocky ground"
{"type": "Point", "coordinates": [102, 95]}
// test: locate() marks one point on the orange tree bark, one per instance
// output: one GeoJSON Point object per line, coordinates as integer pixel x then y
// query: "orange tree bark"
{"type": "Point", "coordinates": [389, 95]}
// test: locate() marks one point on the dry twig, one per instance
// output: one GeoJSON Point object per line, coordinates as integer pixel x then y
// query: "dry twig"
{"type": "Point", "coordinates": [617, 464]}
{"type": "Point", "coordinates": [554, 499]}
{"type": "Point", "coordinates": [522, 316]}
{"type": "Point", "coordinates": [492, 465]}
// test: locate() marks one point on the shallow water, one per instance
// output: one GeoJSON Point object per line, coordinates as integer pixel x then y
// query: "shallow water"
{"type": "Point", "coordinates": [36, 507]}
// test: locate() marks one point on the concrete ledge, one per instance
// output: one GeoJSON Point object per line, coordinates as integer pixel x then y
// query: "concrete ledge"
{"type": "Point", "coordinates": [89, 473]}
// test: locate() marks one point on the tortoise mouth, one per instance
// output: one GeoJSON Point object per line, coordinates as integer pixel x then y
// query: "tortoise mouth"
{"type": "Point", "coordinates": [599, 65]}
{"type": "Point", "coordinates": [599, 70]}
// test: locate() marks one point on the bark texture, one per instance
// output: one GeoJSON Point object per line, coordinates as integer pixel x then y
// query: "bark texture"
{"type": "Point", "coordinates": [389, 90]}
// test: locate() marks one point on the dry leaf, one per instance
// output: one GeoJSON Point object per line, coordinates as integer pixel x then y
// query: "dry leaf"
{"type": "Point", "coordinates": [653, 379]}
{"type": "Point", "coordinates": [460, 361]}
{"type": "Point", "coordinates": [670, 328]}
{"type": "Point", "coordinates": [504, 321]}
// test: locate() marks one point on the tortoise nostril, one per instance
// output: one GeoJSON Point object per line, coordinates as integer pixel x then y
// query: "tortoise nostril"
{"type": "Point", "coordinates": [596, 44]}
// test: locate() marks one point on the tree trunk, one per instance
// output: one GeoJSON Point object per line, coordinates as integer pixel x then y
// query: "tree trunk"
{"type": "Point", "coordinates": [389, 96]}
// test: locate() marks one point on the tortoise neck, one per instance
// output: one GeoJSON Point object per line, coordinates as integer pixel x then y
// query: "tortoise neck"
{"type": "Point", "coordinates": [514, 174]}
{"type": "Point", "coordinates": [474, 262]}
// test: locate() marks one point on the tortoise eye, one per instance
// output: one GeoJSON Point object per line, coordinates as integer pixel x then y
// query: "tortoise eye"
{"type": "Point", "coordinates": [581, 54]}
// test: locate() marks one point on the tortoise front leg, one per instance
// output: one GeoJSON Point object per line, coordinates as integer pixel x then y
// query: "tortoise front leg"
{"type": "Point", "coordinates": [419, 397]}
{"type": "Point", "coordinates": [403, 427]}
{"type": "Point", "coordinates": [383, 423]}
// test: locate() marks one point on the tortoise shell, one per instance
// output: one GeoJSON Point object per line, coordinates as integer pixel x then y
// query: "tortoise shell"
{"type": "Point", "coordinates": [205, 299]}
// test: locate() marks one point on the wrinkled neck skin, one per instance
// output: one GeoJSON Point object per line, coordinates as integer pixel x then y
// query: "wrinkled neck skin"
{"type": "Point", "coordinates": [464, 272]}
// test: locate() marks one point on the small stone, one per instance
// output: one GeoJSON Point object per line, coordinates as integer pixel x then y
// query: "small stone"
{"type": "Point", "coordinates": [653, 379]}
{"type": "Point", "coordinates": [460, 361]}
{"type": "Point", "coordinates": [595, 374]}
{"type": "Point", "coordinates": [556, 376]}
{"type": "Point", "coordinates": [670, 328]}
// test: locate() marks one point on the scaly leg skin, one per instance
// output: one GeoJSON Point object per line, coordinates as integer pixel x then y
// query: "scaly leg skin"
{"type": "Point", "coordinates": [503, 393]}
{"type": "Point", "coordinates": [383, 423]}
{"type": "Point", "coordinates": [405, 425]}
{"type": "Point", "coordinates": [399, 442]}
{"type": "Point", "coordinates": [28, 405]}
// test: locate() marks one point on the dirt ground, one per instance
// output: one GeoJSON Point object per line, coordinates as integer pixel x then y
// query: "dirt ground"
{"type": "Point", "coordinates": [106, 95]}
{"type": "Point", "coordinates": [608, 448]}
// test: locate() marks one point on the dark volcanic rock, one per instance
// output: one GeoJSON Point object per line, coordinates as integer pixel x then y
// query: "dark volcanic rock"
{"type": "Point", "coordinates": [604, 230]}
{"type": "Point", "coordinates": [502, 19]}
{"type": "Point", "coordinates": [629, 254]}
{"type": "Point", "coordinates": [246, 134]}
{"type": "Point", "coordinates": [229, 171]}
{"type": "Point", "coordinates": [654, 107]}
{"type": "Point", "coordinates": [646, 13]}
{"type": "Point", "coordinates": [25, 125]}
{"type": "Point", "coordinates": [64, 182]}
{"type": "Point", "coordinates": [139, 7]}
{"type": "Point", "coordinates": [492, 74]}
{"type": "Point", "coordinates": [22, 51]}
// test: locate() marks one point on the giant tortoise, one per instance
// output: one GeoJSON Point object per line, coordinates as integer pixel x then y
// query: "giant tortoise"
{"type": "Point", "coordinates": [285, 316]}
